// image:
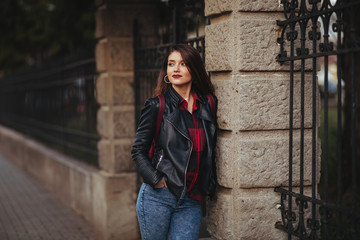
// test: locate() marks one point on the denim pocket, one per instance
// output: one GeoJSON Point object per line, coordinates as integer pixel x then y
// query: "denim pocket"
{"type": "Point", "coordinates": [159, 189]}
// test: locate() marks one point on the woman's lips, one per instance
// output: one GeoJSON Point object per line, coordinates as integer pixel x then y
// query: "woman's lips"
{"type": "Point", "coordinates": [176, 76]}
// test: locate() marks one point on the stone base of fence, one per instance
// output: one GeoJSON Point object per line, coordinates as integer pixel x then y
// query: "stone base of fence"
{"type": "Point", "coordinates": [98, 196]}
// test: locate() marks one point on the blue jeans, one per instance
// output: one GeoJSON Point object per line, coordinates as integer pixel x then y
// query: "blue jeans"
{"type": "Point", "coordinates": [160, 214]}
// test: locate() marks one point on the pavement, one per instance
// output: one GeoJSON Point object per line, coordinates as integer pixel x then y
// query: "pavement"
{"type": "Point", "coordinates": [30, 212]}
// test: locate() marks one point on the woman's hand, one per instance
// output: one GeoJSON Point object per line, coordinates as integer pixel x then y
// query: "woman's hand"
{"type": "Point", "coordinates": [161, 183]}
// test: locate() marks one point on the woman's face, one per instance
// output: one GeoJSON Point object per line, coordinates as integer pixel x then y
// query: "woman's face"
{"type": "Point", "coordinates": [177, 71]}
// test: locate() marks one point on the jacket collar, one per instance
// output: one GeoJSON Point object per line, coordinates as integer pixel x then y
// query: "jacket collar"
{"type": "Point", "coordinates": [174, 96]}
{"type": "Point", "coordinates": [204, 111]}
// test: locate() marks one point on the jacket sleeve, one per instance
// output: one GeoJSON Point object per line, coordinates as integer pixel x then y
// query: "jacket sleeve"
{"type": "Point", "coordinates": [144, 136]}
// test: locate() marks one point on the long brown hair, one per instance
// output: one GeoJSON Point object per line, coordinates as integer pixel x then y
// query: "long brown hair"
{"type": "Point", "coordinates": [195, 65]}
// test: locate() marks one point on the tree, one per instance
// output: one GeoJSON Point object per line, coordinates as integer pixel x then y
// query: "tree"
{"type": "Point", "coordinates": [33, 30]}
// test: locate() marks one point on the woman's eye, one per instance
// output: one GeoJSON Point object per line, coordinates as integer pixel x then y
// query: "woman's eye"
{"type": "Point", "coordinates": [183, 64]}
{"type": "Point", "coordinates": [170, 64]}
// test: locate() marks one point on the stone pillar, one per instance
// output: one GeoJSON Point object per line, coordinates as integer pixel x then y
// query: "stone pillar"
{"type": "Point", "coordinates": [253, 116]}
{"type": "Point", "coordinates": [115, 188]}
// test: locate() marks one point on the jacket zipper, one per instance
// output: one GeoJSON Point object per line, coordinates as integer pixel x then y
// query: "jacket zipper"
{"type": "Point", "coordinates": [187, 162]}
{"type": "Point", "coordinates": [160, 159]}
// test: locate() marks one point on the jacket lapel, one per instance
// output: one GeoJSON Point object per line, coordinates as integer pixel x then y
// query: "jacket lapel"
{"type": "Point", "coordinates": [205, 114]}
{"type": "Point", "coordinates": [208, 122]}
{"type": "Point", "coordinates": [178, 122]}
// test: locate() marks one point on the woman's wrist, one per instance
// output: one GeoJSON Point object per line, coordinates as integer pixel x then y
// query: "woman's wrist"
{"type": "Point", "coordinates": [161, 183]}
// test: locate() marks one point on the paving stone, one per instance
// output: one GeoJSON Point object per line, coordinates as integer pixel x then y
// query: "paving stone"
{"type": "Point", "coordinates": [29, 212]}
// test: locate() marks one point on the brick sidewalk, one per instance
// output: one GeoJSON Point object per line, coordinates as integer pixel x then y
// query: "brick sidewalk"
{"type": "Point", "coordinates": [29, 212]}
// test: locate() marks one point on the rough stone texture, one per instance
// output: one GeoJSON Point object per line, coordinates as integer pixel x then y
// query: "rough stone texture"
{"type": "Point", "coordinates": [104, 123]}
{"type": "Point", "coordinates": [106, 155]}
{"type": "Point", "coordinates": [123, 89]}
{"type": "Point", "coordinates": [256, 214]}
{"type": "Point", "coordinates": [114, 54]}
{"type": "Point", "coordinates": [124, 162]}
{"type": "Point", "coordinates": [225, 159]}
{"type": "Point", "coordinates": [120, 54]}
{"type": "Point", "coordinates": [259, 5]}
{"type": "Point", "coordinates": [100, 19]}
{"type": "Point", "coordinates": [115, 156]}
{"type": "Point", "coordinates": [254, 94]}
{"type": "Point", "coordinates": [104, 89]}
{"type": "Point", "coordinates": [115, 89]}
{"type": "Point", "coordinates": [260, 159]}
{"type": "Point", "coordinates": [114, 204]}
{"type": "Point", "coordinates": [256, 39]}
{"type": "Point", "coordinates": [242, 214]}
{"type": "Point", "coordinates": [215, 7]}
{"type": "Point", "coordinates": [246, 42]}
{"type": "Point", "coordinates": [114, 208]}
{"type": "Point", "coordinates": [124, 122]}
{"type": "Point", "coordinates": [238, 43]}
{"type": "Point", "coordinates": [220, 219]}
{"type": "Point", "coordinates": [255, 211]}
{"type": "Point", "coordinates": [218, 46]}
{"type": "Point", "coordinates": [117, 20]}
{"type": "Point", "coordinates": [100, 52]}
{"type": "Point", "coordinates": [260, 101]}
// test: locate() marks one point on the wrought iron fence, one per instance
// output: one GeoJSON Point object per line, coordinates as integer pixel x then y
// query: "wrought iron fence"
{"type": "Point", "coordinates": [54, 103]}
{"type": "Point", "coordinates": [315, 31]}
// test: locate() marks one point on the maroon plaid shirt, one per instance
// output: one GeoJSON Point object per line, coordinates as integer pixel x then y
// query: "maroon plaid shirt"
{"type": "Point", "coordinates": [197, 136]}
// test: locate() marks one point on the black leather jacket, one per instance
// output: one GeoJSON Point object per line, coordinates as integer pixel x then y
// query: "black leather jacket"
{"type": "Point", "coordinates": [173, 146]}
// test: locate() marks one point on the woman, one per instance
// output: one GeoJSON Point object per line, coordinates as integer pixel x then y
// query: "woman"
{"type": "Point", "coordinates": [182, 170]}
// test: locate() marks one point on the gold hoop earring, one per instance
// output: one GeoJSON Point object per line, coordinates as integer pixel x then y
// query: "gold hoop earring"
{"type": "Point", "coordinates": [166, 77]}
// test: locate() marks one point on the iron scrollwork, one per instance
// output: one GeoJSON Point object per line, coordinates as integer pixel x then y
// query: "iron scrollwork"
{"type": "Point", "coordinates": [307, 33]}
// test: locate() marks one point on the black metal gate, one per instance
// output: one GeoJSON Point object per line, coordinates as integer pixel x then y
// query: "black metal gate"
{"type": "Point", "coordinates": [148, 59]}
{"type": "Point", "coordinates": [315, 33]}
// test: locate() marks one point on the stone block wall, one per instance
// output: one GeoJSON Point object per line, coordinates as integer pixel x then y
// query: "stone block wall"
{"type": "Point", "coordinates": [115, 64]}
{"type": "Point", "coordinates": [253, 116]}
{"type": "Point", "coordinates": [116, 185]}
{"type": "Point", "coordinates": [253, 92]}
